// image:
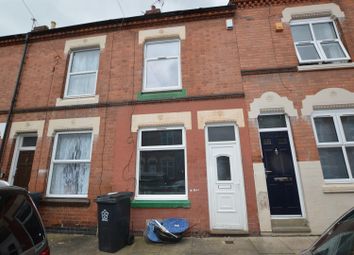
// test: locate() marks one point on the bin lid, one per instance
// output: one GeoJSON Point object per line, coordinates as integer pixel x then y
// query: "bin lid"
{"type": "Point", "coordinates": [114, 197]}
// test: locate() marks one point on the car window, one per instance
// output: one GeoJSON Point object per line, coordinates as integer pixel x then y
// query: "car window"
{"type": "Point", "coordinates": [20, 225]}
{"type": "Point", "coordinates": [340, 238]}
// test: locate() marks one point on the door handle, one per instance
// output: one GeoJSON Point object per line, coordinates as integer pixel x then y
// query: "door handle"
{"type": "Point", "coordinates": [268, 172]}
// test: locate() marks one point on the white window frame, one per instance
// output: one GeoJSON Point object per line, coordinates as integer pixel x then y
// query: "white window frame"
{"type": "Point", "coordinates": [53, 160]}
{"type": "Point", "coordinates": [317, 43]}
{"type": "Point", "coordinates": [161, 147]}
{"type": "Point", "coordinates": [146, 60]}
{"type": "Point", "coordinates": [342, 143]}
{"type": "Point", "coordinates": [69, 73]}
{"type": "Point", "coordinates": [18, 148]}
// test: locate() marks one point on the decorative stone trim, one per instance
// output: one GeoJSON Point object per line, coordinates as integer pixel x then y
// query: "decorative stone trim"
{"type": "Point", "coordinates": [330, 98]}
{"type": "Point", "coordinates": [77, 101]}
{"type": "Point", "coordinates": [217, 116]}
{"type": "Point", "coordinates": [242, 4]}
{"type": "Point", "coordinates": [87, 42]}
{"type": "Point", "coordinates": [161, 119]}
{"type": "Point", "coordinates": [27, 127]}
{"type": "Point", "coordinates": [307, 68]}
{"type": "Point", "coordinates": [312, 11]}
{"type": "Point", "coordinates": [162, 33]}
{"type": "Point", "coordinates": [271, 102]}
{"type": "Point", "coordinates": [92, 123]}
{"type": "Point", "coordinates": [2, 129]}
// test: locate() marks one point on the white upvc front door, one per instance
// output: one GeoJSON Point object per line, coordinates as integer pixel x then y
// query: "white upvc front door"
{"type": "Point", "coordinates": [227, 206]}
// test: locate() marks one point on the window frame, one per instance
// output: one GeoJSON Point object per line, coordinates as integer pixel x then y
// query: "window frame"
{"type": "Point", "coordinates": [317, 43]}
{"type": "Point", "coordinates": [146, 60]}
{"type": "Point", "coordinates": [69, 73]}
{"type": "Point", "coordinates": [341, 143]}
{"type": "Point", "coordinates": [159, 148]}
{"type": "Point", "coordinates": [53, 161]}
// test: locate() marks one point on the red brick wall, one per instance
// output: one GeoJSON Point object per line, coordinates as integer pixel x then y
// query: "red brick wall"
{"type": "Point", "coordinates": [271, 49]}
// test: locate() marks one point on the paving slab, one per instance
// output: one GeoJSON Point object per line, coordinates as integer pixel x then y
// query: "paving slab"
{"type": "Point", "coordinates": [66, 244]}
{"type": "Point", "coordinates": [270, 245]}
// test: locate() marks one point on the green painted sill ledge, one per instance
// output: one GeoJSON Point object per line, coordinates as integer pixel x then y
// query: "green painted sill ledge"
{"type": "Point", "coordinates": [162, 95]}
{"type": "Point", "coordinates": [161, 204]}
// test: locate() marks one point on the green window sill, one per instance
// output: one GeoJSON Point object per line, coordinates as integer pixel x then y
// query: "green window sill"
{"type": "Point", "coordinates": [150, 96]}
{"type": "Point", "coordinates": [161, 204]}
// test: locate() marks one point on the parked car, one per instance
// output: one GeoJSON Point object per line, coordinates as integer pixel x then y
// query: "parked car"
{"type": "Point", "coordinates": [338, 239]}
{"type": "Point", "coordinates": [21, 227]}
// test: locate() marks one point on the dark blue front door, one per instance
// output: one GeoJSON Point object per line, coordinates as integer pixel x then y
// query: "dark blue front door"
{"type": "Point", "coordinates": [281, 181]}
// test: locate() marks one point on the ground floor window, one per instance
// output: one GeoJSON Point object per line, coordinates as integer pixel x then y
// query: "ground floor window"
{"type": "Point", "coordinates": [161, 163]}
{"type": "Point", "coordinates": [335, 142]}
{"type": "Point", "coordinates": [70, 167]}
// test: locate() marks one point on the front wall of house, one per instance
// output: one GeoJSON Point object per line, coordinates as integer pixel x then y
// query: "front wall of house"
{"type": "Point", "coordinates": [208, 60]}
{"type": "Point", "coordinates": [323, 202]}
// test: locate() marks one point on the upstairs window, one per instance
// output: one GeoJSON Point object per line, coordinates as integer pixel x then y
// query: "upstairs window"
{"type": "Point", "coordinates": [335, 142]}
{"type": "Point", "coordinates": [318, 41]}
{"type": "Point", "coordinates": [82, 73]}
{"type": "Point", "coordinates": [162, 66]}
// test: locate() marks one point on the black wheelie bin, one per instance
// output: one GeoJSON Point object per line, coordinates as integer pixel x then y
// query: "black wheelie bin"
{"type": "Point", "coordinates": [113, 215]}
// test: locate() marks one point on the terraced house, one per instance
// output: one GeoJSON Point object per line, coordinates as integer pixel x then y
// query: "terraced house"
{"type": "Point", "coordinates": [239, 118]}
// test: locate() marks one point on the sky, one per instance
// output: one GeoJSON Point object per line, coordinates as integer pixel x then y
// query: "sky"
{"type": "Point", "coordinates": [16, 15]}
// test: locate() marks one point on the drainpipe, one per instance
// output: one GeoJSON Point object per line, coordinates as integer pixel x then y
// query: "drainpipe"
{"type": "Point", "coordinates": [13, 104]}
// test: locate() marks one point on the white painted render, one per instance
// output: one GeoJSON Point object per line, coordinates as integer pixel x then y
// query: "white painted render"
{"type": "Point", "coordinates": [161, 33]}
{"type": "Point", "coordinates": [262, 198]}
{"type": "Point", "coordinates": [271, 102]}
{"type": "Point", "coordinates": [96, 41]}
{"type": "Point", "coordinates": [36, 126]}
{"type": "Point", "coordinates": [92, 123]}
{"type": "Point", "coordinates": [322, 208]}
{"type": "Point", "coordinates": [324, 203]}
{"type": "Point", "coordinates": [220, 116]}
{"type": "Point", "coordinates": [161, 119]}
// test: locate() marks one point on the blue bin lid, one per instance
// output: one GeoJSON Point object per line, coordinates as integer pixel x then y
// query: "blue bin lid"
{"type": "Point", "coordinates": [175, 225]}
{"type": "Point", "coordinates": [150, 233]}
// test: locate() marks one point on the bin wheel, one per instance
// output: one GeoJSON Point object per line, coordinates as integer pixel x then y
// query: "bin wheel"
{"type": "Point", "coordinates": [130, 240]}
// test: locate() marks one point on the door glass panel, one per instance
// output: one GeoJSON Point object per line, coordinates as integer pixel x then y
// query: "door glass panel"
{"type": "Point", "coordinates": [326, 131]}
{"type": "Point", "coordinates": [348, 126]}
{"type": "Point", "coordinates": [271, 121]}
{"type": "Point", "coordinates": [333, 163]}
{"type": "Point", "coordinates": [223, 168]}
{"type": "Point", "coordinates": [29, 141]}
{"type": "Point", "coordinates": [219, 134]}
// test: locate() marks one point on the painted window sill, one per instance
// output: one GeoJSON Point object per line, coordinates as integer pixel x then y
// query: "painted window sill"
{"type": "Point", "coordinates": [162, 95]}
{"type": "Point", "coordinates": [77, 101]}
{"type": "Point", "coordinates": [338, 188]}
{"type": "Point", "coordinates": [65, 202]}
{"type": "Point", "coordinates": [306, 68]}
{"type": "Point", "coordinates": [161, 204]}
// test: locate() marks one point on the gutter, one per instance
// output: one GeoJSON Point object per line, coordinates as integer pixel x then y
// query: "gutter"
{"type": "Point", "coordinates": [13, 104]}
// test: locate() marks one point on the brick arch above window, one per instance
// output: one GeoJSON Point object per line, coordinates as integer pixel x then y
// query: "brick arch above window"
{"type": "Point", "coordinates": [271, 102]}
{"type": "Point", "coordinates": [330, 98]}
{"type": "Point", "coordinates": [312, 11]}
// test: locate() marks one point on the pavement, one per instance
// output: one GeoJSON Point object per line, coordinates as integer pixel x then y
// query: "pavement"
{"type": "Point", "coordinates": [66, 244]}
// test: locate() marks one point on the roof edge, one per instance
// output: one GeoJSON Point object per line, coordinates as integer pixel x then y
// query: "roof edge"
{"type": "Point", "coordinates": [244, 4]}
{"type": "Point", "coordinates": [123, 23]}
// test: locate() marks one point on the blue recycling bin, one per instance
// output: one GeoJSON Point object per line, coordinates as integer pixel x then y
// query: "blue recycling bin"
{"type": "Point", "coordinates": [113, 215]}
